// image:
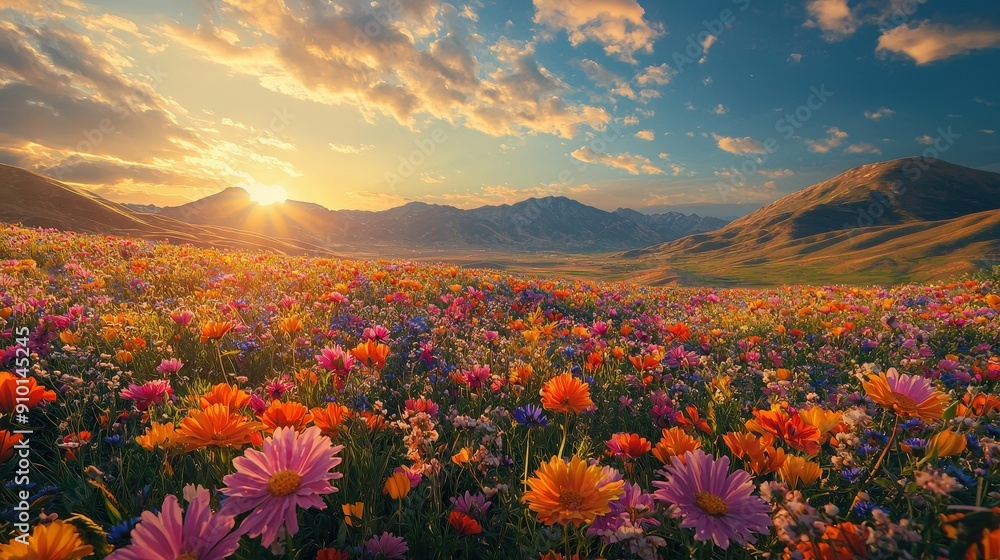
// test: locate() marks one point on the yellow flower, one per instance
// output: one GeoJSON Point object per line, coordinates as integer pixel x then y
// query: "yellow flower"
{"type": "Point", "coordinates": [823, 420]}
{"type": "Point", "coordinates": [397, 486]}
{"type": "Point", "coordinates": [570, 492]}
{"type": "Point", "coordinates": [58, 540]}
{"type": "Point", "coordinates": [946, 444]}
{"type": "Point", "coordinates": [797, 470]}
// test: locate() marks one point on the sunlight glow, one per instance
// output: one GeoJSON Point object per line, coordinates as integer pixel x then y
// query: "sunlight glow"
{"type": "Point", "coordinates": [267, 194]}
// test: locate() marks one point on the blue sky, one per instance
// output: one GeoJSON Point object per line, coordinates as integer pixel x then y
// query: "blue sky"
{"type": "Point", "coordinates": [650, 105]}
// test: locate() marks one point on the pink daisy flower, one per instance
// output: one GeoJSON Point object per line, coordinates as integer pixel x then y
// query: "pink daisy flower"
{"type": "Point", "coordinates": [335, 359]}
{"type": "Point", "coordinates": [148, 394]}
{"type": "Point", "coordinates": [292, 471]}
{"type": "Point", "coordinates": [173, 365]}
{"type": "Point", "coordinates": [718, 505]}
{"type": "Point", "coordinates": [198, 534]}
{"type": "Point", "coordinates": [388, 545]}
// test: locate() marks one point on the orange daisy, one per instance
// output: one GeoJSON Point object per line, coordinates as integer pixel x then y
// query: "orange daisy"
{"type": "Point", "coordinates": [216, 426]}
{"type": "Point", "coordinates": [286, 414]}
{"type": "Point", "coordinates": [570, 492]}
{"type": "Point", "coordinates": [566, 393]}
{"type": "Point", "coordinates": [674, 443]}
{"type": "Point", "coordinates": [229, 395]}
{"type": "Point", "coordinates": [329, 419]}
{"type": "Point", "coordinates": [58, 540]}
{"type": "Point", "coordinates": [213, 330]}
{"type": "Point", "coordinates": [9, 395]}
{"type": "Point", "coordinates": [906, 395]}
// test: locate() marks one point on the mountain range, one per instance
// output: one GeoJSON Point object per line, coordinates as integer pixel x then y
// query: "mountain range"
{"type": "Point", "coordinates": [550, 223]}
{"type": "Point", "coordinates": [912, 219]}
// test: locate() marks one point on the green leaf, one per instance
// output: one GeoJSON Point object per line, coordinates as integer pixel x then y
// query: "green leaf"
{"type": "Point", "coordinates": [950, 412]}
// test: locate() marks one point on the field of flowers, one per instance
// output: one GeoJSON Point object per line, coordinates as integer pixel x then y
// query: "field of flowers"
{"type": "Point", "coordinates": [191, 404]}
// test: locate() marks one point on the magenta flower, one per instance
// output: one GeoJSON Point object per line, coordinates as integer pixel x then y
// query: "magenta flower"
{"type": "Point", "coordinates": [377, 333]}
{"type": "Point", "coordinates": [168, 535]}
{"type": "Point", "coordinates": [293, 470]}
{"type": "Point", "coordinates": [633, 512]}
{"type": "Point", "coordinates": [171, 366]}
{"type": "Point", "coordinates": [335, 359]}
{"type": "Point", "coordinates": [388, 545]}
{"type": "Point", "coordinates": [182, 318]}
{"type": "Point", "coordinates": [148, 394]}
{"type": "Point", "coordinates": [718, 505]}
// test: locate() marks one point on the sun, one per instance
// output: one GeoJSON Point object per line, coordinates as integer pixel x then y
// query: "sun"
{"type": "Point", "coordinates": [267, 194]}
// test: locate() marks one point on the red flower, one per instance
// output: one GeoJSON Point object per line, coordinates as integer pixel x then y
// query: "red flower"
{"type": "Point", "coordinates": [463, 524]}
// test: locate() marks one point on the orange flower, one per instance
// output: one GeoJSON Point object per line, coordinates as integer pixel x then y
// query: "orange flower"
{"type": "Point", "coordinates": [215, 426]}
{"type": "Point", "coordinates": [570, 492]}
{"type": "Point", "coordinates": [58, 540]}
{"type": "Point", "coordinates": [759, 453]}
{"type": "Point", "coordinates": [566, 393]}
{"type": "Point", "coordinates": [212, 330]}
{"type": "Point", "coordinates": [906, 395]}
{"type": "Point", "coordinates": [824, 421]}
{"type": "Point", "coordinates": [462, 457]}
{"type": "Point", "coordinates": [397, 486]}
{"type": "Point", "coordinates": [946, 443]}
{"type": "Point", "coordinates": [290, 325]}
{"type": "Point", "coordinates": [787, 427]}
{"type": "Point", "coordinates": [646, 362]}
{"type": "Point", "coordinates": [978, 405]}
{"type": "Point", "coordinates": [229, 395]}
{"type": "Point", "coordinates": [7, 442]}
{"type": "Point", "coordinates": [674, 443]}
{"type": "Point", "coordinates": [287, 415]}
{"type": "Point", "coordinates": [9, 394]}
{"type": "Point", "coordinates": [463, 524]}
{"type": "Point", "coordinates": [353, 513]}
{"type": "Point", "coordinates": [798, 470]}
{"type": "Point", "coordinates": [843, 541]}
{"type": "Point", "coordinates": [330, 418]}
{"type": "Point", "coordinates": [689, 418]}
{"type": "Point", "coordinates": [371, 354]}
{"type": "Point", "coordinates": [332, 554]}
{"type": "Point", "coordinates": [628, 446]}
{"type": "Point", "coordinates": [157, 435]}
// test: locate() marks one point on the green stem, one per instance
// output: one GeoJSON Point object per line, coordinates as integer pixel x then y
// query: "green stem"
{"type": "Point", "coordinates": [881, 457]}
{"type": "Point", "coordinates": [562, 445]}
{"type": "Point", "coordinates": [527, 455]}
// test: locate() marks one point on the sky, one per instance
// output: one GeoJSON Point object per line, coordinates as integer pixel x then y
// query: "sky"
{"type": "Point", "coordinates": [716, 107]}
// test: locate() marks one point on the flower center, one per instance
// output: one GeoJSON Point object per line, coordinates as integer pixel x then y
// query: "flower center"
{"type": "Point", "coordinates": [571, 499]}
{"type": "Point", "coordinates": [283, 483]}
{"type": "Point", "coordinates": [711, 504]}
{"type": "Point", "coordinates": [188, 556]}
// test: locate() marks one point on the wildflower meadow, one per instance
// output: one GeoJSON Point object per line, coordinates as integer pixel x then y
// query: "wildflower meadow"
{"type": "Point", "coordinates": [169, 402]}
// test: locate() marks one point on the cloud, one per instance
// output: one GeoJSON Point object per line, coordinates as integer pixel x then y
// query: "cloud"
{"type": "Point", "coordinates": [614, 83]}
{"type": "Point", "coordinates": [862, 148]}
{"type": "Point", "coordinates": [633, 164]}
{"type": "Point", "coordinates": [618, 25]}
{"type": "Point", "coordinates": [349, 149]}
{"type": "Point", "coordinates": [835, 137]}
{"type": "Point", "coordinates": [987, 131]}
{"type": "Point", "coordinates": [745, 145]}
{"type": "Point", "coordinates": [834, 17]}
{"type": "Point", "coordinates": [720, 109]}
{"type": "Point", "coordinates": [929, 42]}
{"type": "Point", "coordinates": [795, 58]}
{"type": "Point", "coordinates": [420, 62]}
{"type": "Point", "coordinates": [776, 173]}
{"type": "Point", "coordinates": [880, 113]}
{"type": "Point", "coordinates": [655, 75]}
{"type": "Point", "coordinates": [926, 139]}
{"type": "Point", "coordinates": [645, 135]}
